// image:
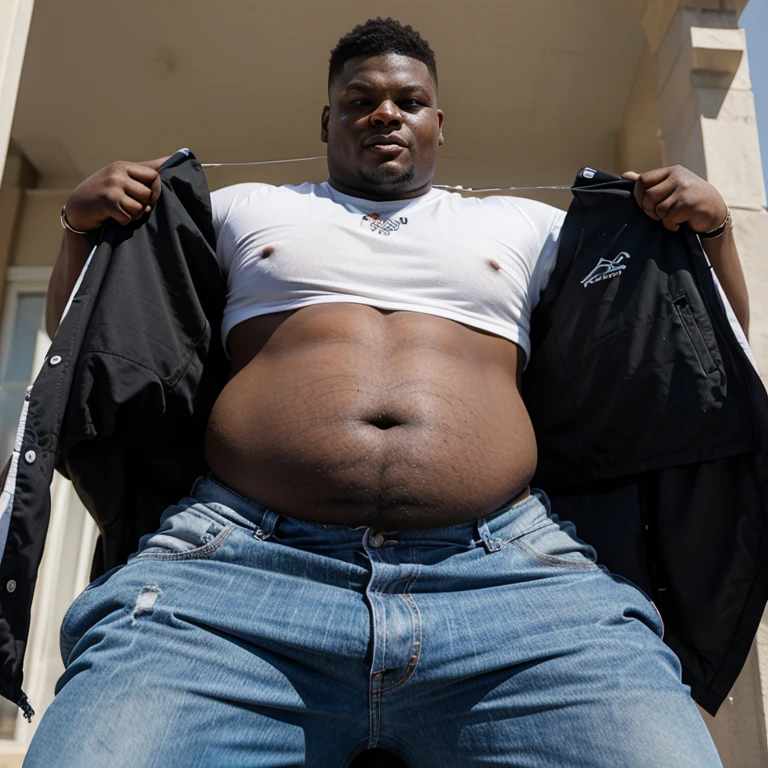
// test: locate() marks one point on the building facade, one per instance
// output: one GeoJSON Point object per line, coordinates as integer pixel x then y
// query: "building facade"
{"type": "Point", "coordinates": [531, 91]}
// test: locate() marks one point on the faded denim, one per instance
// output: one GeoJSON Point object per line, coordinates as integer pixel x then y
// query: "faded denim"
{"type": "Point", "coordinates": [239, 638]}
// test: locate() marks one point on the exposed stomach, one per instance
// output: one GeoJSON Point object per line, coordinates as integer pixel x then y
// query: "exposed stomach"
{"type": "Point", "coordinates": [346, 414]}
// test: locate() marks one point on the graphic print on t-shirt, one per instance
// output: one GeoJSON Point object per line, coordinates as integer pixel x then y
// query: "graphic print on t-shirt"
{"type": "Point", "coordinates": [382, 226]}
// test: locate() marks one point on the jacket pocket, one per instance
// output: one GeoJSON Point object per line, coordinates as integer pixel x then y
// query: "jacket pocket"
{"type": "Point", "coordinates": [688, 319]}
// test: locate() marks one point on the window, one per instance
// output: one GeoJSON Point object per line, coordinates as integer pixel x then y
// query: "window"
{"type": "Point", "coordinates": [25, 340]}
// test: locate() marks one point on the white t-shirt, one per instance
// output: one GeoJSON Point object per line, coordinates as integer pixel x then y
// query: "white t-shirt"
{"type": "Point", "coordinates": [480, 261]}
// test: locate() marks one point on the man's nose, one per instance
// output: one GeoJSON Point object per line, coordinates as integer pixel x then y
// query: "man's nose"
{"type": "Point", "coordinates": [387, 113]}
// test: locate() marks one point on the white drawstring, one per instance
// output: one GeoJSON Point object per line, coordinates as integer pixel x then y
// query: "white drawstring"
{"type": "Point", "coordinates": [458, 188]}
{"type": "Point", "coordinates": [263, 162]}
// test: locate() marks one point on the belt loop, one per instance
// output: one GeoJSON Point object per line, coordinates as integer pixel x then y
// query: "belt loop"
{"type": "Point", "coordinates": [268, 523]}
{"type": "Point", "coordinates": [491, 543]}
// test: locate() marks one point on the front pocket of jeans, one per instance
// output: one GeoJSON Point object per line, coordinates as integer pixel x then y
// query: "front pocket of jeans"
{"type": "Point", "coordinates": [154, 552]}
{"type": "Point", "coordinates": [552, 545]}
{"type": "Point", "coordinates": [67, 640]}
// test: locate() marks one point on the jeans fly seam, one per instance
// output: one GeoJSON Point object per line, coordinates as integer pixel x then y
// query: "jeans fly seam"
{"type": "Point", "coordinates": [416, 644]}
{"type": "Point", "coordinates": [374, 698]}
{"type": "Point", "coordinates": [380, 673]}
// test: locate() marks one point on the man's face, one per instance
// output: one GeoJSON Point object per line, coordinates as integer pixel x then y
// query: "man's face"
{"type": "Point", "coordinates": [382, 128]}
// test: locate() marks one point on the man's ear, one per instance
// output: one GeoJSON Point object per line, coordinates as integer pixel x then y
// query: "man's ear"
{"type": "Point", "coordinates": [324, 118]}
{"type": "Point", "coordinates": [440, 140]}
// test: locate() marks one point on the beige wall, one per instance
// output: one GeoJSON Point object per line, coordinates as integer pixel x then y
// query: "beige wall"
{"type": "Point", "coordinates": [38, 234]}
{"type": "Point", "coordinates": [15, 19]}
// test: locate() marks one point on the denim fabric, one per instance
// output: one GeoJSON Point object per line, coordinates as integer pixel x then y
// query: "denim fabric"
{"type": "Point", "coordinates": [239, 638]}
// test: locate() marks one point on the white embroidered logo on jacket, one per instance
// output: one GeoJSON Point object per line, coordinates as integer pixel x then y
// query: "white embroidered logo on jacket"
{"type": "Point", "coordinates": [606, 269]}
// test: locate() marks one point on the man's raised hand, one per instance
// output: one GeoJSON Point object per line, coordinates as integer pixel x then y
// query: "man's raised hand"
{"type": "Point", "coordinates": [122, 191]}
{"type": "Point", "coordinates": [676, 195]}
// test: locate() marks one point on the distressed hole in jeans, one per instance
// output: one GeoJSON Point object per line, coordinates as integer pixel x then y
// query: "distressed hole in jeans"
{"type": "Point", "coordinates": [145, 602]}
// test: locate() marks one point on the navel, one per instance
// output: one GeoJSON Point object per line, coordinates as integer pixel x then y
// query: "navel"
{"type": "Point", "coordinates": [383, 421]}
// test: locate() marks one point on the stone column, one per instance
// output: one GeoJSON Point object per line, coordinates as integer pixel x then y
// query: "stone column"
{"type": "Point", "coordinates": [707, 120]}
{"type": "Point", "coordinates": [15, 18]}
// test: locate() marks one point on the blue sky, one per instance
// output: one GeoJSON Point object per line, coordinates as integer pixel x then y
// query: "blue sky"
{"type": "Point", "coordinates": [755, 21]}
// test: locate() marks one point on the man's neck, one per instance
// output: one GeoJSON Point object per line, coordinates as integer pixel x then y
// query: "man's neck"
{"type": "Point", "coordinates": [379, 196]}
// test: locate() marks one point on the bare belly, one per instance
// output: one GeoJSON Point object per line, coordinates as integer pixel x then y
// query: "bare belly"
{"type": "Point", "coordinates": [346, 414]}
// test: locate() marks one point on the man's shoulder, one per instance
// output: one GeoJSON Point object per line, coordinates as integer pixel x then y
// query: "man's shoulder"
{"type": "Point", "coordinates": [262, 189]}
{"type": "Point", "coordinates": [524, 205]}
{"type": "Point", "coordinates": [540, 216]}
{"type": "Point", "coordinates": [253, 197]}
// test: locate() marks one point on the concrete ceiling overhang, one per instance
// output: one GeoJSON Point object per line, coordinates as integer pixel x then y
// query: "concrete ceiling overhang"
{"type": "Point", "coordinates": [532, 90]}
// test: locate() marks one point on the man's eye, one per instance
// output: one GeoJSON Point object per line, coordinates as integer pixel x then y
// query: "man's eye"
{"type": "Point", "coordinates": [410, 103]}
{"type": "Point", "coordinates": [361, 102]}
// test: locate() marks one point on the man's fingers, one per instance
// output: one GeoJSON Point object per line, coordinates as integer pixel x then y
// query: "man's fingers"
{"type": "Point", "coordinates": [140, 172]}
{"type": "Point", "coordinates": [141, 195]}
{"type": "Point", "coordinates": [147, 174]}
{"type": "Point", "coordinates": [632, 176]}
{"type": "Point", "coordinates": [156, 163]}
{"type": "Point", "coordinates": [654, 199]}
{"type": "Point", "coordinates": [121, 216]}
{"type": "Point", "coordinates": [652, 178]}
{"type": "Point", "coordinates": [138, 191]}
{"type": "Point", "coordinates": [639, 190]}
{"type": "Point", "coordinates": [672, 213]}
{"type": "Point", "coordinates": [131, 207]}
{"type": "Point", "coordinates": [157, 186]}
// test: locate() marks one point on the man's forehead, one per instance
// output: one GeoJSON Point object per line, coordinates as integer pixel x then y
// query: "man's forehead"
{"type": "Point", "coordinates": [384, 69]}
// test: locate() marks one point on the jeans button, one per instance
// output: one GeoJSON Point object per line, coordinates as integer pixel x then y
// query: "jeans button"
{"type": "Point", "coordinates": [376, 540]}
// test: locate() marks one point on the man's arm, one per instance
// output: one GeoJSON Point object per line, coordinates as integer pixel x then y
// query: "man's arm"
{"type": "Point", "coordinates": [675, 196]}
{"type": "Point", "coordinates": [69, 263]}
{"type": "Point", "coordinates": [725, 261]}
{"type": "Point", "coordinates": [120, 191]}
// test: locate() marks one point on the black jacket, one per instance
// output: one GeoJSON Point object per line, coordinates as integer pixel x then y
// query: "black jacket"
{"type": "Point", "coordinates": [121, 404]}
{"type": "Point", "coordinates": [652, 426]}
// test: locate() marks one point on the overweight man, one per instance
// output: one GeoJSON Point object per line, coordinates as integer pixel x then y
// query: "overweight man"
{"type": "Point", "coordinates": [329, 587]}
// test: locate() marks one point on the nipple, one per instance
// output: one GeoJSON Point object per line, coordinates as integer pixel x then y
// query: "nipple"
{"type": "Point", "coordinates": [268, 251]}
{"type": "Point", "coordinates": [495, 264]}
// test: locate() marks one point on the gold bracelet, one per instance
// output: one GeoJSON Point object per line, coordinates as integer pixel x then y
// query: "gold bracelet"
{"type": "Point", "coordinates": [723, 229]}
{"type": "Point", "coordinates": [66, 225]}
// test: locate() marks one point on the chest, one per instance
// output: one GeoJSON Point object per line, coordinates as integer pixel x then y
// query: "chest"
{"type": "Point", "coordinates": [437, 252]}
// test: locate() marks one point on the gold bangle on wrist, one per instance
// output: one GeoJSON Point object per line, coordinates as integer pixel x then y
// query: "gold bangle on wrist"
{"type": "Point", "coordinates": [66, 225]}
{"type": "Point", "coordinates": [723, 229]}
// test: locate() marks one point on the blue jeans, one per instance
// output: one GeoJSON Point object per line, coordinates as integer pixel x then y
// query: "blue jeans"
{"type": "Point", "coordinates": [239, 638]}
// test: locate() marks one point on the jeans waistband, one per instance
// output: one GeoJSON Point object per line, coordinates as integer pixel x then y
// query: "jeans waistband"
{"type": "Point", "coordinates": [492, 530]}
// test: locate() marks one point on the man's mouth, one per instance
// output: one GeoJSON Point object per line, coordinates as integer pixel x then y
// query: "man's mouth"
{"type": "Point", "coordinates": [385, 144]}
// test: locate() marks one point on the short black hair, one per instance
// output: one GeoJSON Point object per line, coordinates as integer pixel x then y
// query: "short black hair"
{"type": "Point", "coordinates": [378, 37]}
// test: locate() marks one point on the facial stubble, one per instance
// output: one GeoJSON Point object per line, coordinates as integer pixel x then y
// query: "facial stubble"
{"type": "Point", "coordinates": [383, 179]}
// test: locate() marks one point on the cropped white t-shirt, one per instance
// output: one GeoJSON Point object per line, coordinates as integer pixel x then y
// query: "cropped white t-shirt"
{"type": "Point", "coordinates": [481, 262]}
